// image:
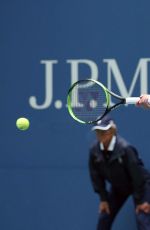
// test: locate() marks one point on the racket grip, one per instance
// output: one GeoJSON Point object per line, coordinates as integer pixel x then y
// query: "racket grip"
{"type": "Point", "coordinates": [132, 100]}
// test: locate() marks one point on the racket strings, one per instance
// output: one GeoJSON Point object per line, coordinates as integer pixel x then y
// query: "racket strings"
{"type": "Point", "coordinates": [88, 101]}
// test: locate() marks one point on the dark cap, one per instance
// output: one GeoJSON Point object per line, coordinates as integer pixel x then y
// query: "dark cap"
{"type": "Point", "coordinates": [104, 124]}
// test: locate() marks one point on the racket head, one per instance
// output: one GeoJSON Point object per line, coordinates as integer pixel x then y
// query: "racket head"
{"type": "Point", "coordinates": [88, 101]}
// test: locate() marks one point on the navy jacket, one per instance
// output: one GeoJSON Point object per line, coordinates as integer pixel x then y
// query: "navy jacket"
{"type": "Point", "coordinates": [123, 169]}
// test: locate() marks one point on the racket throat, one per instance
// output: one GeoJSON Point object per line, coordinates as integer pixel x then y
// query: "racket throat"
{"type": "Point", "coordinates": [122, 102]}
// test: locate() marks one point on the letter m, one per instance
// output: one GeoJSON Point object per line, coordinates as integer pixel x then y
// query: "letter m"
{"type": "Point", "coordinates": [141, 71]}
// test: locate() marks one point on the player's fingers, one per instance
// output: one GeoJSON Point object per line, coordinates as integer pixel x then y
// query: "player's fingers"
{"type": "Point", "coordinates": [141, 95]}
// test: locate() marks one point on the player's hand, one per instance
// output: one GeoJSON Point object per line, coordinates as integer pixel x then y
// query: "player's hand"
{"type": "Point", "coordinates": [144, 101]}
{"type": "Point", "coordinates": [145, 207]}
{"type": "Point", "coordinates": [104, 207]}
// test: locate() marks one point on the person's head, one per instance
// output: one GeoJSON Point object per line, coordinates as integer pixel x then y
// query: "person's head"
{"type": "Point", "coordinates": [105, 129]}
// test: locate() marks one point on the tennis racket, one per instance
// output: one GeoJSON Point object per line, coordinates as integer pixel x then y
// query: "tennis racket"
{"type": "Point", "coordinates": [89, 101]}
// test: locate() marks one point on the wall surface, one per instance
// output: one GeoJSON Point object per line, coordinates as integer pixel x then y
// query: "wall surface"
{"type": "Point", "coordinates": [45, 46]}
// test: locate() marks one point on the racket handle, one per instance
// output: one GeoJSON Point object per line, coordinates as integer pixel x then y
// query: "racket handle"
{"type": "Point", "coordinates": [132, 100]}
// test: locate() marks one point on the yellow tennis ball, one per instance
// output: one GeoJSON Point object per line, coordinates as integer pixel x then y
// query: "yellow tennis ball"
{"type": "Point", "coordinates": [22, 123]}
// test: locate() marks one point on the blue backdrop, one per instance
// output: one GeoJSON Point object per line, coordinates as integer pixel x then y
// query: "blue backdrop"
{"type": "Point", "coordinates": [45, 45]}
